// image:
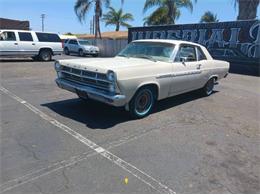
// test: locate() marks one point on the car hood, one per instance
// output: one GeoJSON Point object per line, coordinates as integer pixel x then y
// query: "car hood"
{"type": "Point", "coordinates": [89, 47]}
{"type": "Point", "coordinates": [102, 65]}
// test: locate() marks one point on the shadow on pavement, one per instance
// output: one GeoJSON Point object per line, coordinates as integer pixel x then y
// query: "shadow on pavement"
{"type": "Point", "coordinates": [97, 115]}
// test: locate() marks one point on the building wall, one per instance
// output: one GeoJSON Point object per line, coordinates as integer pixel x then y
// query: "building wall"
{"type": "Point", "coordinates": [14, 24]}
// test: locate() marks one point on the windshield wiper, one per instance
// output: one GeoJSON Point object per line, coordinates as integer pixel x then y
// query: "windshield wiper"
{"type": "Point", "coordinates": [146, 57]}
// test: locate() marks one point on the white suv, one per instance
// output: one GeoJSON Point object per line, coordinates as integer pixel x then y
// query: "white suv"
{"type": "Point", "coordinates": [38, 45]}
{"type": "Point", "coordinates": [80, 47]}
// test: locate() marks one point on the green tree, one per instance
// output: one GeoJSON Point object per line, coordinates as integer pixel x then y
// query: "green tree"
{"type": "Point", "coordinates": [166, 12]}
{"type": "Point", "coordinates": [117, 18]}
{"type": "Point", "coordinates": [247, 9]}
{"type": "Point", "coordinates": [208, 17]}
{"type": "Point", "coordinates": [82, 7]}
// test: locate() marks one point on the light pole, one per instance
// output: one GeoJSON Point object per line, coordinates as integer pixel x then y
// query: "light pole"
{"type": "Point", "coordinates": [43, 17]}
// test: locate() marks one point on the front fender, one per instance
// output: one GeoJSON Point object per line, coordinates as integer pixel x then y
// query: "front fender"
{"type": "Point", "coordinates": [130, 87]}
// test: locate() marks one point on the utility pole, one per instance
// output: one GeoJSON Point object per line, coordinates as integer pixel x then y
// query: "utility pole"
{"type": "Point", "coordinates": [90, 27]}
{"type": "Point", "coordinates": [43, 17]}
{"type": "Point", "coordinates": [94, 25]}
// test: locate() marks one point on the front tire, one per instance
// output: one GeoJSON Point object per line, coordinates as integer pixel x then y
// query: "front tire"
{"type": "Point", "coordinates": [81, 53]}
{"type": "Point", "coordinates": [207, 90]}
{"type": "Point", "coordinates": [142, 103]}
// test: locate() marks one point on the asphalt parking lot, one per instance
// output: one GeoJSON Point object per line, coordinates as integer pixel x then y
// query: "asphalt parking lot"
{"type": "Point", "coordinates": [52, 142]}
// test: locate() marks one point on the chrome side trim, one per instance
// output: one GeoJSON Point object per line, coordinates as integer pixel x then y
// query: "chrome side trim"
{"type": "Point", "coordinates": [179, 74]}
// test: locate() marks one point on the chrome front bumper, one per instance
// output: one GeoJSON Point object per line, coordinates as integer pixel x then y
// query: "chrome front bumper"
{"type": "Point", "coordinates": [92, 93]}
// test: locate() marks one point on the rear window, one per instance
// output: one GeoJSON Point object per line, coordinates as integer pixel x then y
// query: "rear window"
{"type": "Point", "coordinates": [48, 37]}
{"type": "Point", "coordinates": [25, 36]}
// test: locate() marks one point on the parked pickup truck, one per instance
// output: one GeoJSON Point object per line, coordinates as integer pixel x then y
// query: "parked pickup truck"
{"type": "Point", "coordinates": [145, 71]}
{"type": "Point", "coordinates": [38, 45]}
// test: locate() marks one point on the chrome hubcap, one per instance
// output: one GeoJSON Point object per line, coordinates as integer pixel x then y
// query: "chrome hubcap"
{"type": "Point", "coordinates": [210, 86]}
{"type": "Point", "coordinates": [143, 102]}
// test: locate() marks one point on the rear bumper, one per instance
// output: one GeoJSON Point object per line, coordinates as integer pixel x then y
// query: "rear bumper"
{"type": "Point", "coordinates": [92, 93]}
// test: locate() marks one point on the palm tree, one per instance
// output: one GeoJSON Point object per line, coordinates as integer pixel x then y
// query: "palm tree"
{"type": "Point", "coordinates": [167, 11]}
{"type": "Point", "coordinates": [247, 9]}
{"type": "Point", "coordinates": [208, 17]}
{"type": "Point", "coordinates": [82, 7]}
{"type": "Point", "coordinates": [117, 18]}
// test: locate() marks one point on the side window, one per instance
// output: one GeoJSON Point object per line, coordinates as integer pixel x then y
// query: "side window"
{"type": "Point", "coordinates": [201, 55]}
{"type": "Point", "coordinates": [48, 37]}
{"type": "Point", "coordinates": [187, 52]}
{"type": "Point", "coordinates": [7, 36]}
{"type": "Point", "coordinates": [25, 36]}
{"type": "Point", "coordinates": [73, 42]}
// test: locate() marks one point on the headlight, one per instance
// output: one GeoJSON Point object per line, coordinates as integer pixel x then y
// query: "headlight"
{"type": "Point", "coordinates": [111, 76]}
{"type": "Point", "coordinates": [59, 74]}
{"type": "Point", "coordinates": [112, 88]}
{"type": "Point", "coordinates": [57, 65]}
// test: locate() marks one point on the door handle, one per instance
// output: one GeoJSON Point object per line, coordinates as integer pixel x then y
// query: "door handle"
{"type": "Point", "coordinates": [199, 66]}
{"type": "Point", "coordinates": [16, 43]}
{"type": "Point", "coordinates": [33, 43]}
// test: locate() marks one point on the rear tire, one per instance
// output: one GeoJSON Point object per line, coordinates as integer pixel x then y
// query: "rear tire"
{"type": "Point", "coordinates": [66, 51]}
{"type": "Point", "coordinates": [45, 55]}
{"type": "Point", "coordinates": [207, 90]}
{"type": "Point", "coordinates": [142, 103]}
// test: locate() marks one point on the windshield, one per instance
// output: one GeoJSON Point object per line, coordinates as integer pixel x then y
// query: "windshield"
{"type": "Point", "coordinates": [84, 42]}
{"type": "Point", "coordinates": [149, 50]}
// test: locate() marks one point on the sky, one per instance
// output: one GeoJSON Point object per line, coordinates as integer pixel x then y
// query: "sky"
{"type": "Point", "coordinates": [61, 18]}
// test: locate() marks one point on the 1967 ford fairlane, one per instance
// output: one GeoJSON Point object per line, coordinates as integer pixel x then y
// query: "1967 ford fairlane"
{"type": "Point", "coordinates": [144, 72]}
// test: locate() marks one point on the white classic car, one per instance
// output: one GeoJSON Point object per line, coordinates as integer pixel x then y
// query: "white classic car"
{"type": "Point", "coordinates": [145, 71]}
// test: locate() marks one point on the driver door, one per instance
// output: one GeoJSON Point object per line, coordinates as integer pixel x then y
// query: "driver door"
{"type": "Point", "coordinates": [186, 70]}
{"type": "Point", "coordinates": [8, 44]}
{"type": "Point", "coordinates": [73, 46]}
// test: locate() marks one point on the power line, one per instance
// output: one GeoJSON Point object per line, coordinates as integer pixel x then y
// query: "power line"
{"type": "Point", "coordinates": [43, 17]}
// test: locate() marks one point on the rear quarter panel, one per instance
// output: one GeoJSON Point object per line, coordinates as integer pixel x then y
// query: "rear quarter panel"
{"type": "Point", "coordinates": [217, 68]}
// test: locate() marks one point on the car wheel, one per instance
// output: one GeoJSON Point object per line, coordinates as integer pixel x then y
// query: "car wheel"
{"type": "Point", "coordinates": [66, 51]}
{"type": "Point", "coordinates": [45, 55]}
{"type": "Point", "coordinates": [208, 88]}
{"type": "Point", "coordinates": [142, 103]}
{"type": "Point", "coordinates": [81, 53]}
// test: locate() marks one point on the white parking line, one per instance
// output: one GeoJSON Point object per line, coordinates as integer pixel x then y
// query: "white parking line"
{"type": "Point", "coordinates": [34, 175]}
{"type": "Point", "coordinates": [144, 177]}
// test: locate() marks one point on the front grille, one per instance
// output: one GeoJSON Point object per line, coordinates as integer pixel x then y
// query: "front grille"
{"type": "Point", "coordinates": [84, 77]}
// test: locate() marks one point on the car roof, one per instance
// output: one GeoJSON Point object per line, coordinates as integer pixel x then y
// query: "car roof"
{"type": "Point", "coordinates": [175, 42]}
{"type": "Point", "coordinates": [15, 30]}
